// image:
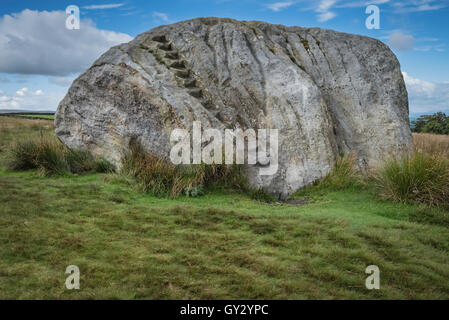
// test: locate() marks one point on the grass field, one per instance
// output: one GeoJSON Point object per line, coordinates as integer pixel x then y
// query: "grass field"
{"type": "Point", "coordinates": [131, 245]}
{"type": "Point", "coordinates": [39, 116]}
{"type": "Point", "coordinates": [34, 116]}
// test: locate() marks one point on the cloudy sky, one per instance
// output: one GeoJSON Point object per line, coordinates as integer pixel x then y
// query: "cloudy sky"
{"type": "Point", "coordinates": [39, 57]}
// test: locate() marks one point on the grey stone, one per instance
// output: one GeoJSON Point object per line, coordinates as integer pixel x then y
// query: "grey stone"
{"type": "Point", "coordinates": [327, 92]}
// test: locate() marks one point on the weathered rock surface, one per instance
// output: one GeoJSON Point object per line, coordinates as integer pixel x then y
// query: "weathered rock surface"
{"type": "Point", "coordinates": [327, 92]}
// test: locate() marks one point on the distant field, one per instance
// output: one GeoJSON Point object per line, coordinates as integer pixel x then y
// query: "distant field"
{"type": "Point", "coordinates": [30, 115]}
{"type": "Point", "coordinates": [432, 143]}
{"type": "Point", "coordinates": [223, 245]}
{"type": "Point", "coordinates": [39, 116]}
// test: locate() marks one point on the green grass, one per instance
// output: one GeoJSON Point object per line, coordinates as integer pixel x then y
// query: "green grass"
{"type": "Point", "coordinates": [130, 245]}
{"type": "Point", "coordinates": [223, 245]}
{"type": "Point", "coordinates": [39, 116]}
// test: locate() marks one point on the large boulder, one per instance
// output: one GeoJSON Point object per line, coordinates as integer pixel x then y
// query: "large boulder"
{"type": "Point", "coordinates": [326, 92]}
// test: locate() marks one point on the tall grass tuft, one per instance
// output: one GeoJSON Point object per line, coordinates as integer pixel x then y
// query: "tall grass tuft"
{"type": "Point", "coordinates": [420, 177]}
{"type": "Point", "coordinates": [21, 156]}
{"type": "Point", "coordinates": [162, 178]}
{"type": "Point", "coordinates": [103, 166]}
{"type": "Point", "coordinates": [343, 175]}
{"type": "Point", "coordinates": [51, 157]}
{"type": "Point", "coordinates": [79, 161]}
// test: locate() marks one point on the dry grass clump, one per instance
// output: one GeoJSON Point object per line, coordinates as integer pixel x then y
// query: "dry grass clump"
{"type": "Point", "coordinates": [420, 177]}
{"type": "Point", "coordinates": [51, 157]}
{"type": "Point", "coordinates": [162, 178]}
{"type": "Point", "coordinates": [432, 143]}
{"type": "Point", "coordinates": [416, 178]}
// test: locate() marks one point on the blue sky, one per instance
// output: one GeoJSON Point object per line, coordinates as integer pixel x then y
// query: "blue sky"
{"type": "Point", "coordinates": [39, 57]}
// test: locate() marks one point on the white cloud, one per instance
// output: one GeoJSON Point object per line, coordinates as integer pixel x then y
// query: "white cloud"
{"type": "Point", "coordinates": [440, 47]}
{"type": "Point", "coordinates": [323, 17]}
{"type": "Point", "coordinates": [420, 5]}
{"type": "Point", "coordinates": [427, 7]}
{"type": "Point", "coordinates": [162, 16]}
{"type": "Point", "coordinates": [21, 92]}
{"type": "Point", "coordinates": [24, 91]}
{"type": "Point", "coordinates": [37, 42]}
{"type": "Point", "coordinates": [31, 100]}
{"type": "Point", "coordinates": [323, 10]}
{"type": "Point", "coordinates": [400, 41]}
{"type": "Point", "coordinates": [278, 6]}
{"type": "Point", "coordinates": [103, 6]}
{"type": "Point", "coordinates": [325, 5]}
{"type": "Point", "coordinates": [326, 9]}
{"type": "Point", "coordinates": [425, 96]}
{"type": "Point", "coordinates": [404, 42]}
{"type": "Point", "coordinates": [361, 4]}
{"type": "Point", "coordinates": [417, 86]}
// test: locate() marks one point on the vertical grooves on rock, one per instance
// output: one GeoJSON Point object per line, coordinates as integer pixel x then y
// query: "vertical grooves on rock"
{"type": "Point", "coordinates": [318, 43]}
{"type": "Point", "coordinates": [330, 115]}
{"type": "Point", "coordinates": [214, 54]}
{"type": "Point", "coordinates": [262, 73]}
{"type": "Point", "coordinates": [226, 51]}
{"type": "Point", "coordinates": [346, 71]}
